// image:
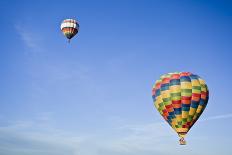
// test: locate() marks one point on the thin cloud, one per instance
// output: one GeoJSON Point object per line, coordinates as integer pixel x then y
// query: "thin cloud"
{"type": "Point", "coordinates": [37, 137]}
{"type": "Point", "coordinates": [141, 138]}
{"type": "Point", "coordinates": [216, 117]}
{"type": "Point", "coordinates": [145, 136]}
{"type": "Point", "coordinates": [29, 38]}
{"type": "Point", "coordinates": [33, 137]}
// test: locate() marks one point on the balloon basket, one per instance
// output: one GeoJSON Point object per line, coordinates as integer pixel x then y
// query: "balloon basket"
{"type": "Point", "coordinates": [182, 141]}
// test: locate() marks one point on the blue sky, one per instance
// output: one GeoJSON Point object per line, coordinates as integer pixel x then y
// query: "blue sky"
{"type": "Point", "coordinates": [93, 96]}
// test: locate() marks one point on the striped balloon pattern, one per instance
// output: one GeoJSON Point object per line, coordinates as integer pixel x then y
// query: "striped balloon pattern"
{"type": "Point", "coordinates": [69, 27]}
{"type": "Point", "coordinates": [180, 97]}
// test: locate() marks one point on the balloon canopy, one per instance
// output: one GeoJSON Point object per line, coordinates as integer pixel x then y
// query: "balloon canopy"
{"type": "Point", "coordinates": [70, 28]}
{"type": "Point", "coordinates": [180, 98]}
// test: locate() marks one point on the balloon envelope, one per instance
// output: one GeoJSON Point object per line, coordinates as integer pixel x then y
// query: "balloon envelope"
{"type": "Point", "coordinates": [180, 98]}
{"type": "Point", "coordinates": [69, 27]}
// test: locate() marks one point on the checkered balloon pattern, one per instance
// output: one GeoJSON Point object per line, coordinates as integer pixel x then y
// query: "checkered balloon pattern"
{"type": "Point", "coordinates": [180, 98]}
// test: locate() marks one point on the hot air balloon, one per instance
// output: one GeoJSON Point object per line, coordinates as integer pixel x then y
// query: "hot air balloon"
{"type": "Point", "coordinates": [180, 97]}
{"type": "Point", "coordinates": [70, 28]}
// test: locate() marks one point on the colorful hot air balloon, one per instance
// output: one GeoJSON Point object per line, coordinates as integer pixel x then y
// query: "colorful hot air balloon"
{"type": "Point", "coordinates": [70, 28]}
{"type": "Point", "coordinates": [180, 98]}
